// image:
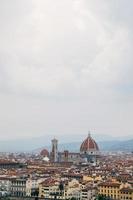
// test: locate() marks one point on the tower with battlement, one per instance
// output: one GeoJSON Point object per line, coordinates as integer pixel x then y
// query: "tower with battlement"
{"type": "Point", "coordinates": [54, 152]}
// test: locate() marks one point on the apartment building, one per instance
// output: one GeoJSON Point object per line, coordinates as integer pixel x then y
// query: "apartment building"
{"type": "Point", "coordinates": [18, 187]}
{"type": "Point", "coordinates": [116, 190]}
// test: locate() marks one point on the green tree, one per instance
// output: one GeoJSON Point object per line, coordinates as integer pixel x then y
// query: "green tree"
{"type": "Point", "coordinates": [73, 198]}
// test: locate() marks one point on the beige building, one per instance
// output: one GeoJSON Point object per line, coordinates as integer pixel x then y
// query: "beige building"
{"type": "Point", "coordinates": [51, 188]}
{"type": "Point", "coordinates": [126, 193]}
{"type": "Point", "coordinates": [89, 193]}
{"type": "Point", "coordinates": [32, 186]}
{"type": "Point", "coordinates": [18, 187]}
{"type": "Point", "coordinates": [73, 189]}
{"type": "Point", "coordinates": [116, 190]}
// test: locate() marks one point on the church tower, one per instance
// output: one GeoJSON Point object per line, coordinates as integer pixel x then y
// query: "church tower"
{"type": "Point", "coordinates": [54, 153]}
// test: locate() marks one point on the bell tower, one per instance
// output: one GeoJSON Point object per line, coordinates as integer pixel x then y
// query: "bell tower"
{"type": "Point", "coordinates": [54, 150]}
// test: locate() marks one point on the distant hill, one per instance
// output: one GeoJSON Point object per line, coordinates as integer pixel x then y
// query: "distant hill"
{"type": "Point", "coordinates": [36, 144]}
{"type": "Point", "coordinates": [117, 145]}
{"type": "Point", "coordinates": [103, 145]}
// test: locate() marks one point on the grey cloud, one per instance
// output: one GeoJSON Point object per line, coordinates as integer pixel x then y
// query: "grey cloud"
{"type": "Point", "coordinates": [65, 66]}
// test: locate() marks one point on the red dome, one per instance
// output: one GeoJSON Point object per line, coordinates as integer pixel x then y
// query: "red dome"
{"type": "Point", "coordinates": [44, 153]}
{"type": "Point", "coordinates": [89, 145]}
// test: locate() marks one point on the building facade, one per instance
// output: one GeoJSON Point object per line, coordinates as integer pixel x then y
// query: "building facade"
{"type": "Point", "coordinates": [18, 187]}
{"type": "Point", "coordinates": [116, 190]}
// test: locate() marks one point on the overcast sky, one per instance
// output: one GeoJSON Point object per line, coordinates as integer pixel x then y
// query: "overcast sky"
{"type": "Point", "coordinates": [66, 66]}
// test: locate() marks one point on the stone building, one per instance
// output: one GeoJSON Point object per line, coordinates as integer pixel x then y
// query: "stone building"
{"type": "Point", "coordinates": [88, 152]}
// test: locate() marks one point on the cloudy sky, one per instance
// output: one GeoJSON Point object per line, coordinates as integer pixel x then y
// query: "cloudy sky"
{"type": "Point", "coordinates": [66, 66]}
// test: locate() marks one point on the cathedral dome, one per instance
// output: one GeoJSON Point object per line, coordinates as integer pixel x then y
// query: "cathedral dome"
{"type": "Point", "coordinates": [89, 144]}
{"type": "Point", "coordinates": [44, 153]}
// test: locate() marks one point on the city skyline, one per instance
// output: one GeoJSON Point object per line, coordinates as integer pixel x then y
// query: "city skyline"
{"type": "Point", "coordinates": [65, 68]}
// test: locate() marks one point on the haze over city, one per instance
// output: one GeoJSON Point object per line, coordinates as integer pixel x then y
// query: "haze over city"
{"type": "Point", "coordinates": [66, 67]}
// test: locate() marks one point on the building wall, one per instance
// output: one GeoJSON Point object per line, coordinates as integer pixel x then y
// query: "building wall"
{"type": "Point", "coordinates": [116, 192]}
{"type": "Point", "coordinates": [5, 184]}
{"type": "Point", "coordinates": [126, 194]}
{"type": "Point", "coordinates": [18, 187]}
{"type": "Point", "coordinates": [66, 156]}
{"type": "Point", "coordinates": [72, 189]}
{"type": "Point", "coordinates": [88, 194]}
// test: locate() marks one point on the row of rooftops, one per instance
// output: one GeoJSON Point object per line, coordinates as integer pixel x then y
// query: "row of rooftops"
{"type": "Point", "coordinates": [108, 168]}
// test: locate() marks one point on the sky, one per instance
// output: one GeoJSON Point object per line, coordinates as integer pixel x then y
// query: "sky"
{"type": "Point", "coordinates": [66, 67]}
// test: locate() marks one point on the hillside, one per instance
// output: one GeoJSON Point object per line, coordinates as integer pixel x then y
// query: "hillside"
{"type": "Point", "coordinates": [103, 146]}
{"type": "Point", "coordinates": [36, 144]}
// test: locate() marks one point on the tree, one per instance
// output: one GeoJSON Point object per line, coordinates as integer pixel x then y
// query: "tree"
{"type": "Point", "coordinates": [101, 197]}
{"type": "Point", "coordinates": [73, 198]}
